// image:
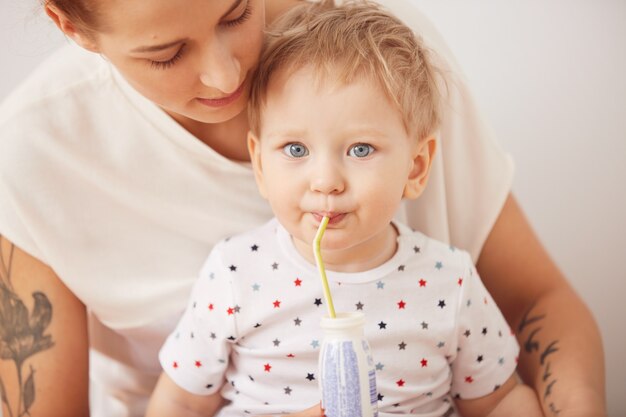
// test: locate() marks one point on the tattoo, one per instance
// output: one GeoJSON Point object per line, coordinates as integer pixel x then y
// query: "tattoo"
{"type": "Point", "coordinates": [526, 320]}
{"type": "Point", "coordinates": [548, 390]}
{"type": "Point", "coordinates": [530, 344]}
{"type": "Point", "coordinates": [21, 335]}
{"type": "Point", "coordinates": [547, 374]}
{"type": "Point", "coordinates": [549, 350]}
{"type": "Point", "coordinates": [553, 409]}
{"type": "Point", "coordinates": [532, 321]}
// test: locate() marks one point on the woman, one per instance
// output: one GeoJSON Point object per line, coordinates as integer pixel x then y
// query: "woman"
{"type": "Point", "coordinates": [121, 167]}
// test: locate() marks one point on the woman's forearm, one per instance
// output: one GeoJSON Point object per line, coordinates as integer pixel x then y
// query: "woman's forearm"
{"type": "Point", "coordinates": [561, 350]}
{"type": "Point", "coordinates": [561, 355]}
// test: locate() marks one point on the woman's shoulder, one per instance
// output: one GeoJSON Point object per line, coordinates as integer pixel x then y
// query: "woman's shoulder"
{"type": "Point", "coordinates": [60, 107]}
{"type": "Point", "coordinates": [68, 73]}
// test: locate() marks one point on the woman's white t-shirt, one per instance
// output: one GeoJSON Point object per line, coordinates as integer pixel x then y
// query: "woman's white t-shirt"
{"type": "Point", "coordinates": [124, 204]}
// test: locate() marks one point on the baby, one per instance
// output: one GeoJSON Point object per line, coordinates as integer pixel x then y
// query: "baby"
{"type": "Point", "coordinates": [343, 118]}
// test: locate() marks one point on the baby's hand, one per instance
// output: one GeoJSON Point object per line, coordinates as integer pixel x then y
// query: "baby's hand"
{"type": "Point", "coordinates": [520, 402]}
{"type": "Point", "coordinates": [315, 411]}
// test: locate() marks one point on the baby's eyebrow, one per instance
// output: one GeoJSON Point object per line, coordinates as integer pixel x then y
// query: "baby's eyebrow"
{"type": "Point", "coordinates": [285, 134]}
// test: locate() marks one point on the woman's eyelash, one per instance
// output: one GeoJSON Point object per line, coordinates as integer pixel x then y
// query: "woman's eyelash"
{"type": "Point", "coordinates": [167, 64]}
{"type": "Point", "coordinates": [244, 16]}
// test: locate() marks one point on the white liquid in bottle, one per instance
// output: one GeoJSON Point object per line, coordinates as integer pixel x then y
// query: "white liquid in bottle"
{"type": "Point", "coordinates": [346, 367]}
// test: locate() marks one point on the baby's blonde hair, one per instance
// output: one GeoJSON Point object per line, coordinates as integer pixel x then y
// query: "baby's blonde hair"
{"type": "Point", "coordinates": [344, 42]}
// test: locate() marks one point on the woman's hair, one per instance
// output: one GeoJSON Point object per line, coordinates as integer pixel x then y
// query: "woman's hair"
{"type": "Point", "coordinates": [83, 14]}
{"type": "Point", "coordinates": [345, 42]}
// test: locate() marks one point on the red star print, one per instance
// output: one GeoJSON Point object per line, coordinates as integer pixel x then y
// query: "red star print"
{"type": "Point", "coordinates": [460, 281]}
{"type": "Point", "coordinates": [400, 382]}
{"type": "Point", "coordinates": [291, 355]}
{"type": "Point", "coordinates": [267, 367]}
{"type": "Point", "coordinates": [211, 307]}
{"type": "Point", "coordinates": [424, 363]}
{"type": "Point", "coordinates": [298, 282]}
{"type": "Point", "coordinates": [230, 311]}
{"type": "Point", "coordinates": [198, 364]}
{"type": "Point", "coordinates": [469, 379]}
{"type": "Point", "coordinates": [175, 365]}
{"type": "Point", "coordinates": [276, 304]}
{"type": "Point", "coordinates": [401, 304]}
{"type": "Point", "coordinates": [422, 283]}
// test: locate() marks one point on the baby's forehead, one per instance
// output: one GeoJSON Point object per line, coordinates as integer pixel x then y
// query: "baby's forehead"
{"type": "Point", "coordinates": [324, 76]}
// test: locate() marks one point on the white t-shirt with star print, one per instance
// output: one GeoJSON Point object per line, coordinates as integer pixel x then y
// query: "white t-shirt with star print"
{"type": "Point", "coordinates": [252, 326]}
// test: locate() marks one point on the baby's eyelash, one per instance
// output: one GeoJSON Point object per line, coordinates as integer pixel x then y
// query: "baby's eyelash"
{"type": "Point", "coordinates": [167, 64]}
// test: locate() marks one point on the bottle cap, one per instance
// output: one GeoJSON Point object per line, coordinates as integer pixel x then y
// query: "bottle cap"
{"type": "Point", "coordinates": [343, 321]}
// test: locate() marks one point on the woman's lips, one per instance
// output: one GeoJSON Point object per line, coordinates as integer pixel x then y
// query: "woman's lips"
{"type": "Point", "coordinates": [333, 218]}
{"type": "Point", "coordinates": [223, 101]}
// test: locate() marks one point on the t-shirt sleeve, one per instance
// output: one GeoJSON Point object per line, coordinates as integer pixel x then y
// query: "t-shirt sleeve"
{"type": "Point", "coordinates": [16, 218]}
{"type": "Point", "coordinates": [487, 350]}
{"type": "Point", "coordinates": [196, 354]}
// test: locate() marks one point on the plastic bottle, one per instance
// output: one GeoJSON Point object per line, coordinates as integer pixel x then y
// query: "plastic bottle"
{"type": "Point", "coordinates": [346, 368]}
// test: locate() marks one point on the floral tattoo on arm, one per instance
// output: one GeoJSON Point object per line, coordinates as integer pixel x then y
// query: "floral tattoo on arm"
{"type": "Point", "coordinates": [22, 335]}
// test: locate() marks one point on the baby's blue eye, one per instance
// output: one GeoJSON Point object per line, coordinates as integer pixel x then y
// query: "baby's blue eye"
{"type": "Point", "coordinates": [296, 150]}
{"type": "Point", "coordinates": [361, 150]}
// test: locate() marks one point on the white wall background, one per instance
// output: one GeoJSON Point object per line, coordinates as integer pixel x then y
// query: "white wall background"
{"type": "Point", "coordinates": [551, 77]}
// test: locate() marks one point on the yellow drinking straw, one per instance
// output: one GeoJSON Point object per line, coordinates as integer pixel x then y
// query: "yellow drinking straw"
{"type": "Point", "coordinates": [320, 265]}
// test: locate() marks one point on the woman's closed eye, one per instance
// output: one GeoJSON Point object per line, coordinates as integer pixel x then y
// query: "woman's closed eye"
{"type": "Point", "coordinates": [165, 64]}
{"type": "Point", "coordinates": [239, 18]}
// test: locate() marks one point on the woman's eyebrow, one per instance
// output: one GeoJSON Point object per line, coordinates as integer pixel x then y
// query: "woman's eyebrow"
{"type": "Point", "coordinates": [233, 7]}
{"type": "Point", "coordinates": [155, 48]}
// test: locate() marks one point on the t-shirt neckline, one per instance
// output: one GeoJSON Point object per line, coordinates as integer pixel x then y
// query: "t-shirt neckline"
{"type": "Point", "coordinates": [287, 247]}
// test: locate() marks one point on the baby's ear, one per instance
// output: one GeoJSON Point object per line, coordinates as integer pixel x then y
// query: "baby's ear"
{"type": "Point", "coordinates": [422, 160]}
{"type": "Point", "coordinates": [254, 149]}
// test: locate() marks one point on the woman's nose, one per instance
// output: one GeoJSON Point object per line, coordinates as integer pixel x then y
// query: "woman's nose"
{"type": "Point", "coordinates": [220, 68]}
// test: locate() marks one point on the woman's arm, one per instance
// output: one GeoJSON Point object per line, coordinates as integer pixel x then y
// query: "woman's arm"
{"type": "Point", "coordinates": [168, 399]}
{"type": "Point", "coordinates": [561, 350]}
{"type": "Point", "coordinates": [44, 348]}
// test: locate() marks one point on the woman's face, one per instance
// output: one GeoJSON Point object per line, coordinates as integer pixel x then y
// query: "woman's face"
{"type": "Point", "coordinates": [193, 58]}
